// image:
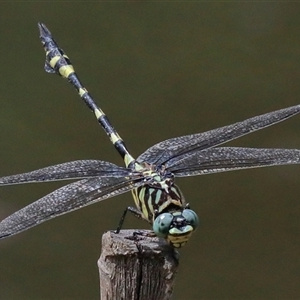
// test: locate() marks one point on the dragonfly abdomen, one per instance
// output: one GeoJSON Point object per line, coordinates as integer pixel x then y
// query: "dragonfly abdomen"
{"type": "Point", "coordinates": [58, 62]}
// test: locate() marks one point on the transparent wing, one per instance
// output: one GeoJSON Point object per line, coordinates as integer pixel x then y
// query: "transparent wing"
{"type": "Point", "coordinates": [225, 159]}
{"type": "Point", "coordinates": [70, 170]}
{"type": "Point", "coordinates": [163, 151]}
{"type": "Point", "coordinates": [66, 199]}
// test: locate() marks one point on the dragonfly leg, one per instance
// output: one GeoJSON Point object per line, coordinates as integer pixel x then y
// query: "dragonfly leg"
{"type": "Point", "coordinates": [138, 235]}
{"type": "Point", "coordinates": [143, 233]}
{"type": "Point", "coordinates": [134, 211]}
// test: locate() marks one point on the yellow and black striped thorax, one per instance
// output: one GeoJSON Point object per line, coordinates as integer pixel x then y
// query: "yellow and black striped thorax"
{"type": "Point", "coordinates": [159, 194]}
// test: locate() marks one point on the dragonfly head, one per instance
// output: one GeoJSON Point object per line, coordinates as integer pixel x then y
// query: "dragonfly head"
{"type": "Point", "coordinates": [176, 227]}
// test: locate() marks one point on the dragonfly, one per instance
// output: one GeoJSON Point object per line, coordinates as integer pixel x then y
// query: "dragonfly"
{"type": "Point", "coordinates": [150, 177]}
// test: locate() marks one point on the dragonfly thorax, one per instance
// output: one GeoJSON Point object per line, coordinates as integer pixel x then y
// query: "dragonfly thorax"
{"type": "Point", "coordinates": [163, 205]}
{"type": "Point", "coordinates": [158, 193]}
{"type": "Point", "coordinates": [155, 176]}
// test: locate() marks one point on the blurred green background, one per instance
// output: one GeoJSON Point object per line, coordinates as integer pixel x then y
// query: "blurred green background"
{"type": "Point", "coordinates": [158, 70]}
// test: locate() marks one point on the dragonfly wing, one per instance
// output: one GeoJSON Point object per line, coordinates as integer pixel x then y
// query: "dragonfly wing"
{"type": "Point", "coordinates": [163, 151]}
{"type": "Point", "coordinates": [223, 159]}
{"type": "Point", "coordinates": [66, 199]}
{"type": "Point", "coordinates": [70, 170]}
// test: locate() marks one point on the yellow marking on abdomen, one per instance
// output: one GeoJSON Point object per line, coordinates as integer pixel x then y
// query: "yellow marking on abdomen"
{"type": "Point", "coordinates": [53, 61]}
{"type": "Point", "coordinates": [66, 71]}
{"type": "Point", "coordinates": [98, 113]}
{"type": "Point", "coordinates": [82, 91]}
{"type": "Point", "coordinates": [128, 159]}
{"type": "Point", "coordinates": [114, 137]}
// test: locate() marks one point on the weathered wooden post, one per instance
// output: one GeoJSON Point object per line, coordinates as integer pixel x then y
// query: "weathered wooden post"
{"type": "Point", "coordinates": [136, 267]}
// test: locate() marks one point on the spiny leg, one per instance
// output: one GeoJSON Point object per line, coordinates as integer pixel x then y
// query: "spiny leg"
{"type": "Point", "coordinates": [58, 62]}
{"type": "Point", "coordinates": [137, 213]}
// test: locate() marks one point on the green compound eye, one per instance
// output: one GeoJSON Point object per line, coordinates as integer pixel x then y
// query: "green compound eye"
{"type": "Point", "coordinates": [191, 217]}
{"type": "Point", "coordinates": [162, 223]}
